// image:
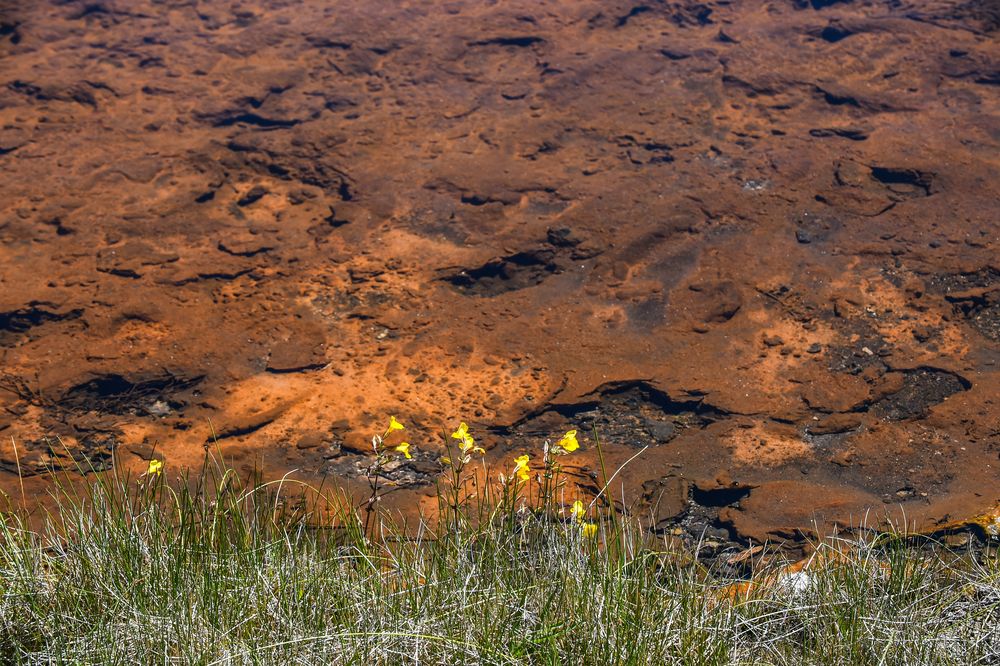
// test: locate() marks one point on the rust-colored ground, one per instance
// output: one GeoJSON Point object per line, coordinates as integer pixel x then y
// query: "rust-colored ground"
{"type": "Point", "coordinates": [758, 237]}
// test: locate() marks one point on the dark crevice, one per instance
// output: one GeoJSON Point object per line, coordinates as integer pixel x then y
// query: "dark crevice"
{"type": "Point", "coordinates": [122, 272]}
{"type": "Point", "coordinates": [949, 283]}
{"type": "Point", "coordinates": [648, 151]}
{"type": "Point", "coordinates": [61, 229]}
{"type": "Point", "coordinates": [695, 15]}
{"type": "Point", "coordinates": [333, 221]}
{"type": "Point", "coordinates": [725, 38]}
{"type": "Point", "coordinates": [252, 119]}
{"type": "Point", "coordinates": [19, 321]}
{"type": "Point", "coordinates": [923, 388]}
{"type": "Point", "coordinates": [834, 99]}
{"type": "Point", "coordinates": [91, 9]}
{"type": "Point", "coordinates": [674, 55]}
{"type": "Point", "coordinates": [981, 310]}
{"type": "Point", "coordinates": [242, 253]}
{"type": "Point", "coordinates": [478, 199]}
{"type": "Point", "coordinates": [212, 276]}
{"type": "Point", "coordinates": [299, 368]}
{"type": "Point", "coordinates": [719, 497]}
{"type": "Point", "coordinates": [635, 11]}
{"type": "Point", "coordinates": [116, 394]}
{"type": "Point", "coordinates": [505, 274]}
{"type": "Point", "coordinates": [329, 223]}
{"type": "Point", "coordinates": [526, 40]}
{"type": "Point", "coordinates": [663, 401]}
{"type": "Point", "coordinates": [900, 176]}
{"type": "Point", "coordinates": [11, 28]}
{"type": "Point", "coordinates": [752, 89]}
{"type": "Point", "coordinates": [239, 431]}
{"type": "Point", "coordinates": [881, 211]}
{"type": "Point", "coordinates": [632, 412]}
{"type": "Point", "coordinates": [327, 43]}
{"type": "Point", "coordinates": [819, 4]}
{"type": "Point", "coordinates": [344, 191]}
{"type": "Point", "coordinates": [255, 194]}
{"type": "Point", "coordinates": [78, 93]}
{"type": "Point", "coordinates": [834, 33]}
{"type": "Point", "coordinates": [843, 132]}
{"type": "Point", "coordinates": [14, 323]}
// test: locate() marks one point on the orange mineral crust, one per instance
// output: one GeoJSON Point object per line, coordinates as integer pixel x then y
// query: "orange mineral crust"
{"type": "Point", "coordinates": [758, 238]}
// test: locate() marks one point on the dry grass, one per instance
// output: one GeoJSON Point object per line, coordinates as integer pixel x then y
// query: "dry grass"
{"type": "Point", "coordinates": [144, 572]}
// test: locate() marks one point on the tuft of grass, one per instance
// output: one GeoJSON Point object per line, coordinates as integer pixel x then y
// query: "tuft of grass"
{"type": "Point", "coordinates": [224, 570]}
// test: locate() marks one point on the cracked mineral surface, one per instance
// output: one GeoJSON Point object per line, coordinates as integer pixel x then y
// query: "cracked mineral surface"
{"type": "Point", "coordinates": [755, 241]}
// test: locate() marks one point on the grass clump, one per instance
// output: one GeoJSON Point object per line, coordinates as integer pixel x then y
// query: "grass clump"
{"type": "Point", "coordinates": [224, 570]}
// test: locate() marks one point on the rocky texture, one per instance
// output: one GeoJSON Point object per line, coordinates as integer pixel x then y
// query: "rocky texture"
{"type": "Point", "coordinates": [758, 238]}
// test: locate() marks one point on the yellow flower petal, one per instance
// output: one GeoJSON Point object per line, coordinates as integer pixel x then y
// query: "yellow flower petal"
{"type": "Point", "coordinates": [394, 424]}
{"type": "Point", "coordinates": [590, 530]}
{"type": "Point", "coordinates": [462, 431]}
{"type": "Point", "coordinates": [569, 442]}
{"type": "Point", "coordinates": [521, 467]}
{"type": "Point", "coordinates": [578, 511]}
{"type": "Point", "coordinates": [155, 467]}
{"type": "Point", "coordinates": [404, 448]}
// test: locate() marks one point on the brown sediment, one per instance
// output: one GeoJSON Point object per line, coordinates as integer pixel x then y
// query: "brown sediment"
{"type": "Point", "coordinates": [759, 238]}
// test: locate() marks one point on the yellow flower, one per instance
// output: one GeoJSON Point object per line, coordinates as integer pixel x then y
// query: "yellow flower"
{"type": "Point", "coordinates": [404, 448]}
{"type": "Point", "coordinates": [578, 511]}
{"type": "Point", "coordinates": [568, 442]}
{"type": "Point", "coordinates": [155, 467]}
{"type": "Point", "coordinates": [467, 442]}
{"type": "Point", "coordinates": [521, 467]}
{"type": "Point", "coordinates": [394, 424]}
{"type": "Point", "coordinates": [590, 530]}
{"type": "Point", "coordinates": [462, 432]}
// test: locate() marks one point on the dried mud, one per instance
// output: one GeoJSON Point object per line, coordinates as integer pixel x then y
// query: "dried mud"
{"type": "Point", "coordinates": [757, 238]}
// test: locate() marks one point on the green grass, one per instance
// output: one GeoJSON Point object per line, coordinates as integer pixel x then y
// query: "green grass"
{"type": "Point", "coordinates": [234, 572]}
